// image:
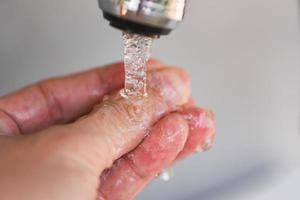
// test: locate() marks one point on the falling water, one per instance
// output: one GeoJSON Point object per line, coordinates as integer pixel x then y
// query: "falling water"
{"type": "Point", "coordinates": [136, 54]}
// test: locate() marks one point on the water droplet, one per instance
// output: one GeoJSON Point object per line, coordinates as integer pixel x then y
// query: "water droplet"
{"type": "Point", "coordinates": [166, 174]}
{"type": "Point", "coordinates": [207, 144]}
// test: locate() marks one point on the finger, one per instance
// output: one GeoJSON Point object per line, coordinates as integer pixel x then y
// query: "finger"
{"type": "Point", "coordinates": [59, 100]}
{"type": "Point", "coordinates": [201, 131]}
{"type": "Point", "coordinates": [131, 173]}
{"type": "Point", "coordinates": [201, 135]}
{"type": "Point", "coordinates": [118, 125]}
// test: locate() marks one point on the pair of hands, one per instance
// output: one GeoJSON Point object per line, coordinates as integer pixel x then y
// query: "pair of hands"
{"type": "Point", "coordinates": [58, 142]}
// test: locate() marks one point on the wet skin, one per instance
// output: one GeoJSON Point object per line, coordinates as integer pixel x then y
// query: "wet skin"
{"type": "Point", "coordinates": [61, 140]}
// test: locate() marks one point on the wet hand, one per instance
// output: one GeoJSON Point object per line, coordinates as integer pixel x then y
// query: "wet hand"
{"type": "Point", "coordinates": [74, 137]}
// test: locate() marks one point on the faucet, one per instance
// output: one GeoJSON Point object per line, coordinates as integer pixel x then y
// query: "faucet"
{"type": "Point", "coordinates": [145, 17]}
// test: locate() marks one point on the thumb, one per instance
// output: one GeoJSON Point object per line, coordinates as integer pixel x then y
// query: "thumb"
{"type": "Point", "coordinates": [118, 125]}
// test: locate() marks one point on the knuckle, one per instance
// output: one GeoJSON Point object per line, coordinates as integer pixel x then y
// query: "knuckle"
{"type": "Point", "coordinates": [124, 114]}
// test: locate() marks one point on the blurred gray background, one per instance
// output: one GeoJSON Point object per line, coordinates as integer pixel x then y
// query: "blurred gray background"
{"type": "Point", "coordinates": [243, 58]}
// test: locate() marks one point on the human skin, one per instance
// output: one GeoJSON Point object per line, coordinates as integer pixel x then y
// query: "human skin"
{"type": "Point", "coordinates": [74, 137]}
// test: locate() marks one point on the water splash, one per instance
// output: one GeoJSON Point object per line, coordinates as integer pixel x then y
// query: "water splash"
{"type": "Point", "coordinates": [137, 50]}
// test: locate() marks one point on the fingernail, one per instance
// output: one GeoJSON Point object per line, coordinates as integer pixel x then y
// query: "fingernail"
{"type": "Point", "coordinates": [201, 121]}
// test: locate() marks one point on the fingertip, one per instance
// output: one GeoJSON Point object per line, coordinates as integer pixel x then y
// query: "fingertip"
{"type": "Point", "coordinates": [201, 131]}
{"type": "Point", "coordinates": [202, 122]}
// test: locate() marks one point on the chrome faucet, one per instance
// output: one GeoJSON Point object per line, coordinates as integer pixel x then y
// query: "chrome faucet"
{"type": "Point", "coordinates": [146, 17]}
